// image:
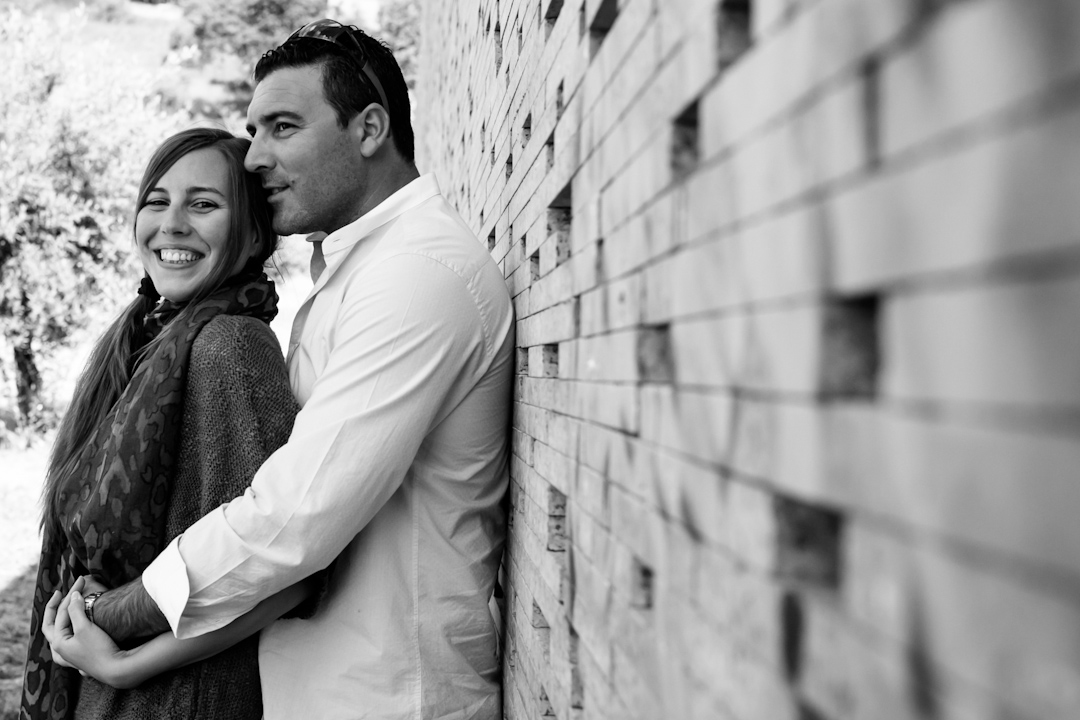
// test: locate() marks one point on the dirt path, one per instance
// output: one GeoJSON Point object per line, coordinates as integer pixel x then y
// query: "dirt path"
{"type": "Point", "coordinates": [21, 475]}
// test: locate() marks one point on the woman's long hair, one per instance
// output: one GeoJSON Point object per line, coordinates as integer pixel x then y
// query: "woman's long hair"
{"type": "Point", "coordinates": [112, 362]}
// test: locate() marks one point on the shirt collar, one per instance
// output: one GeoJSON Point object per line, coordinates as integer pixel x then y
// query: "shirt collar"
{"type": "Point", "coordinates": [404, 199]}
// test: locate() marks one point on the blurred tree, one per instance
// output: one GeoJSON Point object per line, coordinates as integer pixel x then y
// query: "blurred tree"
{"type": "Point", "coordinates": [75, 132]}
{"type": "Point", "coordinates": [399, 23]}
{"type": "Point", "coordinates": [245, 28]}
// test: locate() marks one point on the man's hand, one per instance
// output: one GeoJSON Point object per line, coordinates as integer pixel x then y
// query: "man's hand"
{"type": "Point", "coordinates": [128, 612]}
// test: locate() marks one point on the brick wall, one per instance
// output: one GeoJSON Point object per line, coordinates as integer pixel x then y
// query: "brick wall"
{"type": "Point", "coordinates": [798, 400]}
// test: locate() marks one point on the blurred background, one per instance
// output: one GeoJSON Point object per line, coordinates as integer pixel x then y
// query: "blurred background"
{"type": "Point", "coordinates": [87, 91]}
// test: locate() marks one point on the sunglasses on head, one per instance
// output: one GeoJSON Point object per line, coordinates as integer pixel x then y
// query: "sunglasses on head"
{"type": "Point", "coordinates": [341, 35]}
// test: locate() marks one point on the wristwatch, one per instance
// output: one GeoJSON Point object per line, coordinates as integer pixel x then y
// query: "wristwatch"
{"type": "Point", "coordinates": [88, 605]}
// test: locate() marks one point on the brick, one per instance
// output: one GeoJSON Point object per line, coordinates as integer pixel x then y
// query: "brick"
{"type": "Point", "coordinates": [969, 362]}
{"type": "Point", "coordinates": [608, 452]}
{"type": "Point", "coordinates": [616, 66]}
{"type": "Point", "coordinates": [563, 433]}
{"type": "Point", "coordinates": [545, 392]}
{"type": "Point", "coordinates": [633, 687]}
{"type": "Point", "coordinates": [630, 522]}
{"type": "Point", "coordinates": [783, 257]}
{"type": "Point", "coordinates": [592, 606]}
{"type": "Point", "coordinates": [616, 406]}
{"type": "Point", "coordinates": [523, 447]}
{"type": "Point", "coordinates": [740, 602]}
{"type": "Point", "coordinates": [585, 268]}
{"type": "Point", "coordinates": [642, 238]}
{"type": "Point", "coordinates": [984, 62]}
{"type": "Point", "coordinates": [820, 145]}
{"type": "Point", "coordinates": [610, 357]}
{"type": "Point", "coordinates": [823, 453]}
{"type": "Point", "coordinates": [848, 674]}
{"type": "Point", "coordinates": [710, 204]}
{"type": "Point", "coordinates": [551, 289]}
{"type": "Point", "coordinates": [677, 566]}
{"type": "Point", "coordinates": [778, 350]}
{"type": "Point", "coordinates": [683, 491]}
{"type": "Point", "coordinates": [542, 361]}
{"type": "Point", "coordinates": [768, 14]}
{"type": "Point", "coordinates": [751, 531]}
{"type": "Point", "coordinates": [629, 192]}
{"type": "Point", "coordinates": [1007, 491]}
{"type": "Point", "coordinates": [1033, 632]}
{"type": "Point", "coordinates": [694, 423]}
{"type": "Point", "coordinates": [548, 326]}
{"type": "Point", "coordinates": [588, 520]}
{"type": "Point", "coordinates": [556, 468]}
{"type": "Point", "coordinates": [966, 208]}
{"type": "Point", "coordinates": [829, 38]}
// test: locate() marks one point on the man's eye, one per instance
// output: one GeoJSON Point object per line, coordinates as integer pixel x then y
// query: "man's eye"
{"type": "Point", "coordinates": [282, 127]}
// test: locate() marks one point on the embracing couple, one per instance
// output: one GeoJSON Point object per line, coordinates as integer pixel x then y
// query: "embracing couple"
{"type": "Point", "coordinates": [228, 534]}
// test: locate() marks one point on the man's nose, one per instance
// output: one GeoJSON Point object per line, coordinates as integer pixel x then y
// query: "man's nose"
{"type": "Point", "coordinates": [256, 159]}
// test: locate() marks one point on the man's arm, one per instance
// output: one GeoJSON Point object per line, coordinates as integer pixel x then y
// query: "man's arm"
{"type": "Point", "coordinates": [401, 341]}
{"type": "Point", "coordinates": [128, 612]}
{"type": "Point", "coordinates": [80, 644]}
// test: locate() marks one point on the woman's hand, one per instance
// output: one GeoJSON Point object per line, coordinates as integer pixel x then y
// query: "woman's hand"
{"type": "Point", "coordinates": [77, 642]}
{"type": "Point", "coordinates": [90, 585]}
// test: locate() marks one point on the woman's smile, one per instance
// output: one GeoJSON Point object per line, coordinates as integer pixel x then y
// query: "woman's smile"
{"type": "Point", "coordinates": [176, 256]}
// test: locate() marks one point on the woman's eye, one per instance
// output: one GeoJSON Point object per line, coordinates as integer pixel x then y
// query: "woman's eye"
{"type": "Point", "coordinates": [156, 202]}
{"type": "Point", "coordinates": [204, 205]}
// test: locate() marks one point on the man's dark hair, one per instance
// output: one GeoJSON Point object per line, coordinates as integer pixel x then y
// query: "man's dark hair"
{"type": "Point", "coordinates": [346, 88]}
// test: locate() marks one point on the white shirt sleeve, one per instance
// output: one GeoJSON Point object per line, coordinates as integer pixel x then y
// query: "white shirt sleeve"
{"type": "Point", "coordinates": [407, 330]}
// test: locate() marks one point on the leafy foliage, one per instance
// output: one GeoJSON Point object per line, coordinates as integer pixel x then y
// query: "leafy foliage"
{"type": "Point", "coordinates": [246, 28]}
{"type": "Point", "coordinates": [75, 132]}
{"type": "Point", "coordinates": [399, 23]}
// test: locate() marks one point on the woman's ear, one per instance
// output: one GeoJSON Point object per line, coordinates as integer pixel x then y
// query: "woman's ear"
{"type": "Point", "coordinates": [253, 246]}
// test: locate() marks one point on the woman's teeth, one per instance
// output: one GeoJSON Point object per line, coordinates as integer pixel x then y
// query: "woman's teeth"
{"type": "Point", "coordinates": [178, 256]}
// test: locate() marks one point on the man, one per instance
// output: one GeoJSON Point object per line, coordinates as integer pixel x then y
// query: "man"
{"type": "Point", "coordinates": [397, 464]}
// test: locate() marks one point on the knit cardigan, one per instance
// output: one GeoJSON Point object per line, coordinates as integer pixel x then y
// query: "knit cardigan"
{"type": "Point", "coordinates": [238, 409]}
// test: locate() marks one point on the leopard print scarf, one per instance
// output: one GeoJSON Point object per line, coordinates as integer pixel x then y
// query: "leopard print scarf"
{"type": "Point", "coordinates": [114, 505]}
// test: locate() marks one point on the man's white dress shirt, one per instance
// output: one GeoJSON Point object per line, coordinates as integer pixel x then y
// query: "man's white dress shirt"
{"type": "Point", "coordinates": [402, 360]}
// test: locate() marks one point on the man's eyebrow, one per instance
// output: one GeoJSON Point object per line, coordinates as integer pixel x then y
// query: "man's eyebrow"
{"type": "Point", "coordinates": [272, 117]}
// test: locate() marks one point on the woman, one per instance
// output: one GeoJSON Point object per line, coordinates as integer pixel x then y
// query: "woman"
{"type": "Point", "coordinates": [183, 398]}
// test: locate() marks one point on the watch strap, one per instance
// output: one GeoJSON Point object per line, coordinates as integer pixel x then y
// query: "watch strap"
{"type": "Point", "coordinates": [88, 605]}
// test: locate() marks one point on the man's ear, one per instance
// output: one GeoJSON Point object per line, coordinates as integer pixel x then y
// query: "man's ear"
{"type": "Point", "coordinates": [372, 128]}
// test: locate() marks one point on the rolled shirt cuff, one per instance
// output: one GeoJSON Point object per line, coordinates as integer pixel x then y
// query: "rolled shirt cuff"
{"type": "Point", "coordinates": [166, 581]}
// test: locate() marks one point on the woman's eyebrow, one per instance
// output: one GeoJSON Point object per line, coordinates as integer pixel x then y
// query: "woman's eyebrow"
{"type": "Point", "coordinates": [199, 189]}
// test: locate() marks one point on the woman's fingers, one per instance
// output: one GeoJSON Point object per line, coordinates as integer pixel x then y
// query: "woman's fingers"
{"type": "Point", "coordinates": [77, 613]}
{"type": "Point", "coordinates": [91, 585]}
{"type": "Point", "coordinates": [48, 618]}
{"type": "Point", "coordinates": [62, 627]}
{"type": "Point", "coordinates": [48, 626]}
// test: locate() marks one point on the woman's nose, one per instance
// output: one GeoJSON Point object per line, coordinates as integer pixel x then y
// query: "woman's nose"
{"type": "Point", "coordinates": [175, 221]}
